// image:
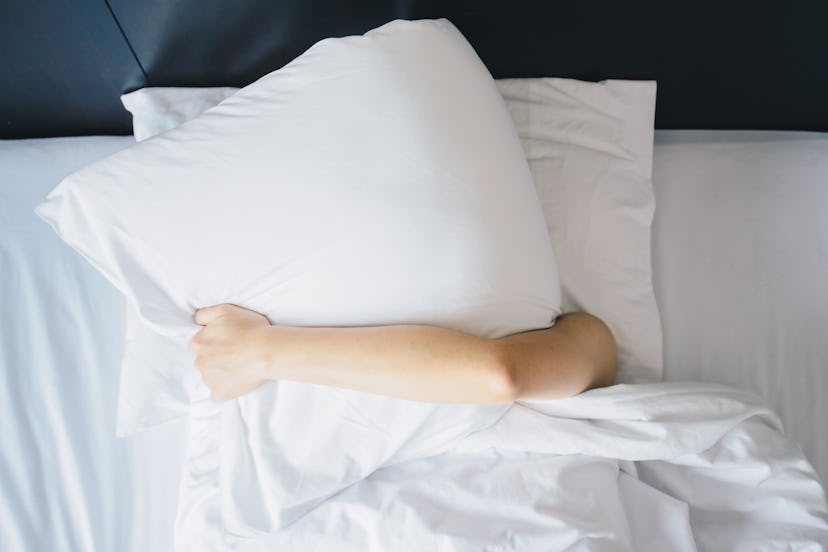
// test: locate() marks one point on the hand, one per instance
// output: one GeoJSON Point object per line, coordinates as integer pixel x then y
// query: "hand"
{"type": "Point", "coordinates": [228, 349]}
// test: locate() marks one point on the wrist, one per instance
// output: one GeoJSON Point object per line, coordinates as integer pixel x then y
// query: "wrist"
{"type": "Point", "coordinates": [261, 341]}
{"type": "Point", "coordinates": [279, 349]}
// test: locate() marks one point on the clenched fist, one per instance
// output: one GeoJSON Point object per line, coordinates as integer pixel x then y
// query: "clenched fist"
{"type": "Point", "coordinates": [229, 350]}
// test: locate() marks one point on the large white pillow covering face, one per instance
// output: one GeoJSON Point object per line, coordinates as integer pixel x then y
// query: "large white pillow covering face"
{"type": "Point", "coordinates": [589, 147]}
{"type": "Point", "coordinates": [355, 147]}
{"type": "Point", "coordinates": [373, 180]}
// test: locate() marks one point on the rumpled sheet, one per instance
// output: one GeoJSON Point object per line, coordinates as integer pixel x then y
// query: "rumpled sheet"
{"type": "Point", "coordinates": [667, 466]}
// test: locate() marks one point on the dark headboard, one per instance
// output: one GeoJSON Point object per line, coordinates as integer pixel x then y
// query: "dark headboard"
{"type": "Point", "coordinates": [739, 64]}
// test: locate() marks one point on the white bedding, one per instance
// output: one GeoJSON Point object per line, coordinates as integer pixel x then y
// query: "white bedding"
{"type": "Point", "coordinates": [66, 483]}
{"type": "Point", "coordinates": [740, 268]}
{"type": "Point", "coordinates": [648, 467]}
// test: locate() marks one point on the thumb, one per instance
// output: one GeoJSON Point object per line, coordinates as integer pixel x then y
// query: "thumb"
{"type": "Point", "coordinates": [207, 315]}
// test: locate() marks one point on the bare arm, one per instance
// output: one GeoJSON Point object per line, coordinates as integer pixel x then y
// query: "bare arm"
{"type": "Point", "coordinates": [238, 350]}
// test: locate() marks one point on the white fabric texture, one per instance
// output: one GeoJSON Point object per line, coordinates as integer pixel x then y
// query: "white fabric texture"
{"type": "Point", "coordinates": [68, 484]}
{"type": "Point", "coordinates": [343, 189]}
{"type": "Point", "coordinates": [589, 147]}
{"type": "Point", "coordinates": [174, 106]}
{"type": "Point", "coordinates": [647, 467]}
{"type": "Point", "coordinates": [740, 254]}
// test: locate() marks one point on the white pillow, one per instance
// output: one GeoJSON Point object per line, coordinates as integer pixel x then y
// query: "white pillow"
{"type": "Point", "coordinates": [170, 106]}
{"type": "Point", "coordinates": [589, 147]}
{"type": "Point", "coordinates": [375, 179]}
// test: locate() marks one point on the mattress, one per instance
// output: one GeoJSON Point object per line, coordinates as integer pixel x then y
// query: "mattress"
{"type": "Point", "coordinates": [740, 254]}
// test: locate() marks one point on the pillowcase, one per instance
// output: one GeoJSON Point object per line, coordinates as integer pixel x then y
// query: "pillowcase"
{"type": "Point", "coordinates": [374, 180]}
{"type": "Point", "coordinates": [170, 106]}
{"type": "Point", "coordinates": [589, 147]}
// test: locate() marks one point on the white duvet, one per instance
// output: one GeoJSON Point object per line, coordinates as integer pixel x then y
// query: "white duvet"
{"type": "Point", "coordinates": [668, 466]}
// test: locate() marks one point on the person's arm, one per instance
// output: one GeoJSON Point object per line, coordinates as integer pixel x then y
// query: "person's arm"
{"type": "Point", "coordinates": [238, 349]}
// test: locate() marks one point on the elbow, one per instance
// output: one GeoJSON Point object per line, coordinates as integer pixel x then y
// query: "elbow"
{"type": "Point", "coordinates": [574, 356]}
{"type": "Point", "coordinates": [603, 376]}
{"type": "Point", "coordinates": [604, 360]}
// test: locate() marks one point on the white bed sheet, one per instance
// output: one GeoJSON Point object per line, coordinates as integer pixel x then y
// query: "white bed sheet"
{"type": "Point", "coordinates": [740, 269]}
{"type": "Point", "coordinates": [66, 482]}
{"type": "Point", "coordinates": [740, 282]}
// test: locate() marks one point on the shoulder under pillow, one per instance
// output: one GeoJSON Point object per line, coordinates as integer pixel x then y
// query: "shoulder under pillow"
{"type": "Point", "coordinates": [376, 179]}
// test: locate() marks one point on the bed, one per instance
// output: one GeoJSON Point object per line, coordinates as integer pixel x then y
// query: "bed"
{"type": "Point", "coordinates": [739, 247]}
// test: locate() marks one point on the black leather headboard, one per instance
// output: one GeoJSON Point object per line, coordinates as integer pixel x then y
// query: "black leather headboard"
{"type": "Point", "coordinates": [736, 64]}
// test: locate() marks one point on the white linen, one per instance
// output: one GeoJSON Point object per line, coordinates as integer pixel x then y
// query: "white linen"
{"type": "Point", "coordinates": [86, 490]}
{"type": "Point", "coordinates": [374, 180]}
{"type": "Point", "coordinates": [740, 257]}
{"type": "Point", "coordinates": [170, 108]}
{"type": "Point", "coordinates": [356, 207]}
{"type": "Point", "coordinates": [589, 147]}
{"type": "Point", "coordinates": [67, 484]}
{"type": "Point", "coordinates": [646, 467]}
{"type": "Point", "coordinates": [345, 189]}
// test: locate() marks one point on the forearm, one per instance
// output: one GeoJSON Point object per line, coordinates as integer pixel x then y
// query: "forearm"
{"type": "Point", "coordinates": [420, 363]}
{"type": "Point", "coordinates": [433, 364]}
{"type": "Point", "coordinates": [238, 349]}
